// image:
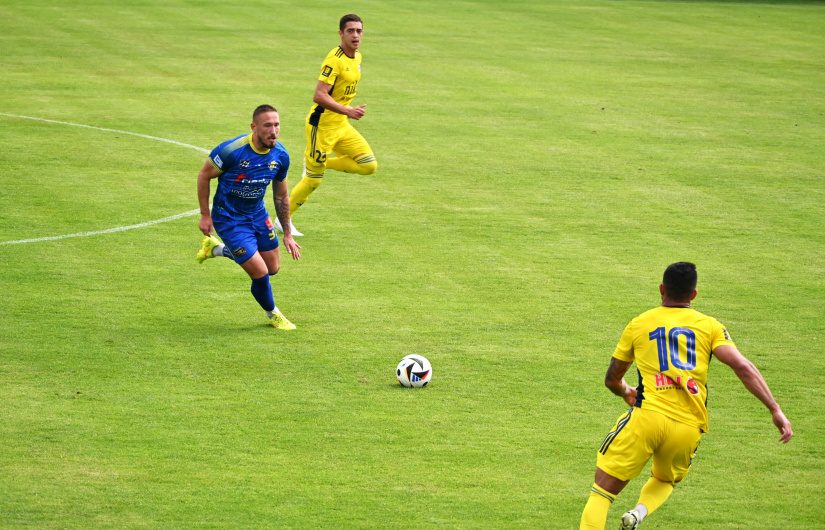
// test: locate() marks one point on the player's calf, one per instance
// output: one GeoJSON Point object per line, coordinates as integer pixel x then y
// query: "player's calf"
{"type": "Point", "coordinates": [363, 164]}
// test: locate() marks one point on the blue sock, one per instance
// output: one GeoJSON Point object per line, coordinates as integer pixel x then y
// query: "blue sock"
{"type": "Point", "coordinates": [262, 291]}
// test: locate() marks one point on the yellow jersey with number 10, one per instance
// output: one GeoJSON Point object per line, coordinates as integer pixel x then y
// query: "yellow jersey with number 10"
{"type": "Point", "coordinates": [672, 347]}
{"type": "Point", "coordinates": [342, 73]}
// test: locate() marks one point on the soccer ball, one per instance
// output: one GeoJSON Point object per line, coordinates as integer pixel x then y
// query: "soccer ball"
{"type": "Point", "coordinates": [414, 371]}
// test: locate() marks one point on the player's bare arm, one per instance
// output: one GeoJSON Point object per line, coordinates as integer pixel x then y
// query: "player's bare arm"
{"type": "Point", "coordinates": [281, 198]}
{"type": "Point", "coordinates": [323, 98]}
{"type": "Point", "coordinates": [755, 383]}
{"type": "Point", "coordinates": [207, 173]}
{"type": "Point", "coordinates": [614, 380]}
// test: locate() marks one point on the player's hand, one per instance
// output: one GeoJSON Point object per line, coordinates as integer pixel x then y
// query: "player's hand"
{"type": "Point", "coordinates": [356, 113]}
{"type": "Point", "coordinates": [206, 225]}
{"type": "Point", "coordinates": [630, 398]}
{"type": "Point", "coordinates": [292, 247]}
{"type": "Point", "coordinates": [783, 424]}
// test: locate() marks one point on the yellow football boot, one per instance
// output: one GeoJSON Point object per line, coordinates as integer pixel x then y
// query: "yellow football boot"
{"type": "Point", "coordinates": [209, 242]}
{"type": "Point", "coordinates": [279, 321]}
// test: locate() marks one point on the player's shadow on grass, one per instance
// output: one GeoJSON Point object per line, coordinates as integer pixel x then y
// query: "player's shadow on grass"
{"type": "Point", "coordinates": [400, 387]}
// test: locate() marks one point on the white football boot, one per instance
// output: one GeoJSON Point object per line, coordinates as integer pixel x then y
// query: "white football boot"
{"type": "Point", "coordinates": [630, 520]}
{"type": "Point", "coordinates": [279, 228]}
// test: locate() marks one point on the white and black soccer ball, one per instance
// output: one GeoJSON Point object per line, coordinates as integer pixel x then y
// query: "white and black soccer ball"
{"type": "Point", "coordinates": [414, 371]}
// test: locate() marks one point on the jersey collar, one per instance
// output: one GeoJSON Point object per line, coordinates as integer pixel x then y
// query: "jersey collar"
{"type": "Point", "coordinates": [345, 53]}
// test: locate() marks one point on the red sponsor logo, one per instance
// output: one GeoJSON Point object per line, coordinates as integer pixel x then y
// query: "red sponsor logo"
{"type": "Point", "coordinates": [692, 386]}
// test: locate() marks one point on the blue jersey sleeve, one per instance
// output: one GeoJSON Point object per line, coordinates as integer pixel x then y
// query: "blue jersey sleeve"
{"type": "Point", "coordinates": [283, 166]}
{"type": "Point", "coordinates": [224, 157]}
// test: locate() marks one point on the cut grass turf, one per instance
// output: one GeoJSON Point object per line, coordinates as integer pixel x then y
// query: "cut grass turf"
{"type": "Point", "coordinates": [540, 164]}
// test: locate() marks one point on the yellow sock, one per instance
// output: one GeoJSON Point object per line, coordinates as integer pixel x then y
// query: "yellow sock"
{"type": "Point", "coordinates": [654, 494]}
{"type": "Point", "coordinates": [363, 164]}
{"type": "Point", "coordinates": [595, 511]}
{"type": "Point", "coordinates": [300, 193]}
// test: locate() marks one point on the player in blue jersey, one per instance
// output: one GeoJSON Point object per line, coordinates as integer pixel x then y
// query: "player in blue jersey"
{"type": "Point", "coordinates": [244, 167]}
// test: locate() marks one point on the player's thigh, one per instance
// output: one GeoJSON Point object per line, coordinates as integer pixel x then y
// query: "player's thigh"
{"type": "Point", "coordinates": [320, 142]}
{"type": "Point", "coordinates": [628, 446]}
{"type": "Point", "coordinates": [239, 238]}
{"type": "Point", "coordinates": [352, 144]}
{"type": "Point", "coordinates": [268, 243]}
{"type": "Point", "coordinates": [246, 237]}
{"type": "Point", "coordinates": [265, 237]}
{"type": "Point", "coordinates": [673, 457]}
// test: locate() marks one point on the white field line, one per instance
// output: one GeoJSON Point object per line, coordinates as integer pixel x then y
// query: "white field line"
{"type": "Point", "coordinates": [109, 130]}
{"type": "Point", "coordinates": [119, 228]}
{"type": "Point", "coordinates": [108, 231]}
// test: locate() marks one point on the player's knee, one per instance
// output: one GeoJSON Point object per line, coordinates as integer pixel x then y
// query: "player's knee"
{"type": "Point", "coordinates": [313, 168]}
{"type": "Point", "coordinates": [662, 477]}
{"type": "Point", "coordinates": [273, 270]}
{"type": "Point", "coordinates": [368, 168]}
{"type": "Point", "coordinates": [313, 181]}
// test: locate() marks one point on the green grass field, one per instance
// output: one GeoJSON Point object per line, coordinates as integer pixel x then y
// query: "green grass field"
{"type": "Point", "coordinates": [541, 162]}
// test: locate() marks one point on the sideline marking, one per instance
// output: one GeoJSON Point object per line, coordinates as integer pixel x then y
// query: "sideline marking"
{"type": "Point", "coordinates": [120, 228]}
{"type": "Point", "coordinates": [201, 149]}
{"type": "Point", "coordinates": [109, 231]}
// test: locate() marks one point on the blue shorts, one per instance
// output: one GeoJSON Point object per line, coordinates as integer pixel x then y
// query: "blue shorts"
{"type": "Point", "coordinates": [244, 237]}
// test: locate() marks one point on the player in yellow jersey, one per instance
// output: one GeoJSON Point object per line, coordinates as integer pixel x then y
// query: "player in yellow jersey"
{"type": "Point", "coordinates": [672, 347]}
{"type": "Point", "coordinates": [327, 127]}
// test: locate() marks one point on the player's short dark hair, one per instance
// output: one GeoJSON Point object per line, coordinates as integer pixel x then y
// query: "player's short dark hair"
{"type": "Point", "coordinates": [680, 280]}
{"type": "Point", "coordinates": [261, 109]}
{"type": "Point", "coordinates": [349, 18]}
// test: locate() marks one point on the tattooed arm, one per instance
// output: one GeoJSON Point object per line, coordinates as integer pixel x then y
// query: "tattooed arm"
{"type": "Point", "coordinates": [281, 197]}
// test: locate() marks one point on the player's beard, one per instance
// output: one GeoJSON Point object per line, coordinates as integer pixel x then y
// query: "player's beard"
{"type": "Point", "coordinates": [267, 141]}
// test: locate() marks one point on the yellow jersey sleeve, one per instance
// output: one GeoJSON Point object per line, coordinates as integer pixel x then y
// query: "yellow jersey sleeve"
{"type": "Point", "coordinates": [719, 335]}
{"type": "Point", "coordinates": [331, 69]}
{"type": "Point", "coordinates": [624, 350]}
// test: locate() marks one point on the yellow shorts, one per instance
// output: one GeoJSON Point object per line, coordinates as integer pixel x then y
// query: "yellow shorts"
{"type": "Point", "coordinates": [640, 434]}
{"type": "Point", "coordinates": [343, 141]}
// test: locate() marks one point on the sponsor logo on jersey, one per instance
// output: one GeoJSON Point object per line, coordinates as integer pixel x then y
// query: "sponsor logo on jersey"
{"type": "Point", "coordinates": [240, 177]}
{"type": "Point", "coordinates": [218, 162]}
{"type": "Point", "coordinates": [245, 164]}
{"type": "Point", "coordinates": [327, 71]}
{"type": "Point", "coordinates": [239, 251]}
{"type": "Point", "coordinates": [665, 381]}
{"type": "Point", "coordinates": [248, 192]}
{"type": "Point", "coordinates": [692, 387]}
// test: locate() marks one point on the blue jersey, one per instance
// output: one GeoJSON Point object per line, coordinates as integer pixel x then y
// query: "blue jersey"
{"type": "Point", "coordinates": [246, 173]}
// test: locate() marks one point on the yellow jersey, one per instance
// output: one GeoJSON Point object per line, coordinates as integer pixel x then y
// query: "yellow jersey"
{"type": "Point", "coordinates": [672, 347]}
{"type": "Point", "coordinates": [342, 73]}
